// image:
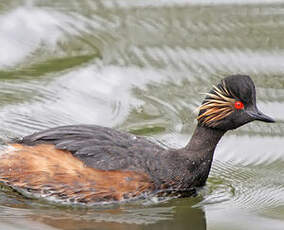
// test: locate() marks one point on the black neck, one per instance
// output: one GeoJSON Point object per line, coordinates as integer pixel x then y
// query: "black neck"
{"type": "Point", "coordinates": [204, 138]}
{"type": "Point", "coordinates": [200, 149]}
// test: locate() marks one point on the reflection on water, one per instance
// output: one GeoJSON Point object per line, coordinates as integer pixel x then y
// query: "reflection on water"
{"type": "Point", "coordinates": [141, 67]}
{"type": "Point", "coordinates": [173, 214]}
{"type": "Point", "coordinates": [21, 34]}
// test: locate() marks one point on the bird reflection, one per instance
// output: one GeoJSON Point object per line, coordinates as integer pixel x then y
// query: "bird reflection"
{"type": "Point", "coordinates": [173, 214]}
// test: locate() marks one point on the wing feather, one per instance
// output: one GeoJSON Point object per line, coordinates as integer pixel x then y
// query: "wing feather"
{"type": "Point", "coordinates": [98, 147]}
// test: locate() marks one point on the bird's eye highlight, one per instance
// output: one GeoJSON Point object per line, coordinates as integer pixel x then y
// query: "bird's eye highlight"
{"type": "Point", "coordinates": [239, 105]}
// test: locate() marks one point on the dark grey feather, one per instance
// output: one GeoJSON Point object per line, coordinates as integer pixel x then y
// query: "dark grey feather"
{"type": "Point", "coordinates": [98, 147]}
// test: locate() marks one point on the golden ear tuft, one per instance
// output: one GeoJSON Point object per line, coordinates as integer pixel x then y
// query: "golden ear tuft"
{"type": "Point", "coordinates": [218, 105]}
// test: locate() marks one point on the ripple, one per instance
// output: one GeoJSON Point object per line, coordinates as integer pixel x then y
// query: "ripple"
{"type": "Point", "coordinates": [241, 153]}
{"type": "Point", "coordinates": [249, 188]}
{"type": "Point", "coordinates": [159, 3]}
{"type": "Point", "coordinates": [108, 88]}
{"type": "Point", "coordinates": [213, 60]}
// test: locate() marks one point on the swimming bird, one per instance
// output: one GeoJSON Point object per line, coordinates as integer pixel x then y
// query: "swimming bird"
{"type": "Point", "coordinates": [89, 163]}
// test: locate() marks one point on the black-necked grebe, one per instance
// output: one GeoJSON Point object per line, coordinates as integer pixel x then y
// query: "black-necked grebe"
{"type": "Point", "coordinates": [89, 163]}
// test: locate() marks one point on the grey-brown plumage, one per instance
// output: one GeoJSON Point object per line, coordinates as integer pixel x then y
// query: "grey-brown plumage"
{"type": "Point", "coordinates": [135, 161]}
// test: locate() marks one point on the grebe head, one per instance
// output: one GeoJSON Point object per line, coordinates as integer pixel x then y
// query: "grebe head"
{"type": "Point", "coordinates": [231, 104]}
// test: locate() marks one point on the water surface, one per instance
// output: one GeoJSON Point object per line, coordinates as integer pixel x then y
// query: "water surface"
{"type": "Point", "coordinates": [140, 66]}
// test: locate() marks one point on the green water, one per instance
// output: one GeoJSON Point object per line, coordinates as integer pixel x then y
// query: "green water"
{"type": "Point", "coordinates": [141, 66]}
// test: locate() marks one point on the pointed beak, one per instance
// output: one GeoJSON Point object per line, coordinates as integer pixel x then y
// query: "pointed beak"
{"type": "Point", "coordinates": [257, 115]}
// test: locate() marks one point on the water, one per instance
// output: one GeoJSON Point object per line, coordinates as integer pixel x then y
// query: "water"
{"type": "Point", "coordinates": [139, 66]}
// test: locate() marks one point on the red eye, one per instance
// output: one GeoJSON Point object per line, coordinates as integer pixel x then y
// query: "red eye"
{"type": "Point", "coordinates": [239, 105]}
